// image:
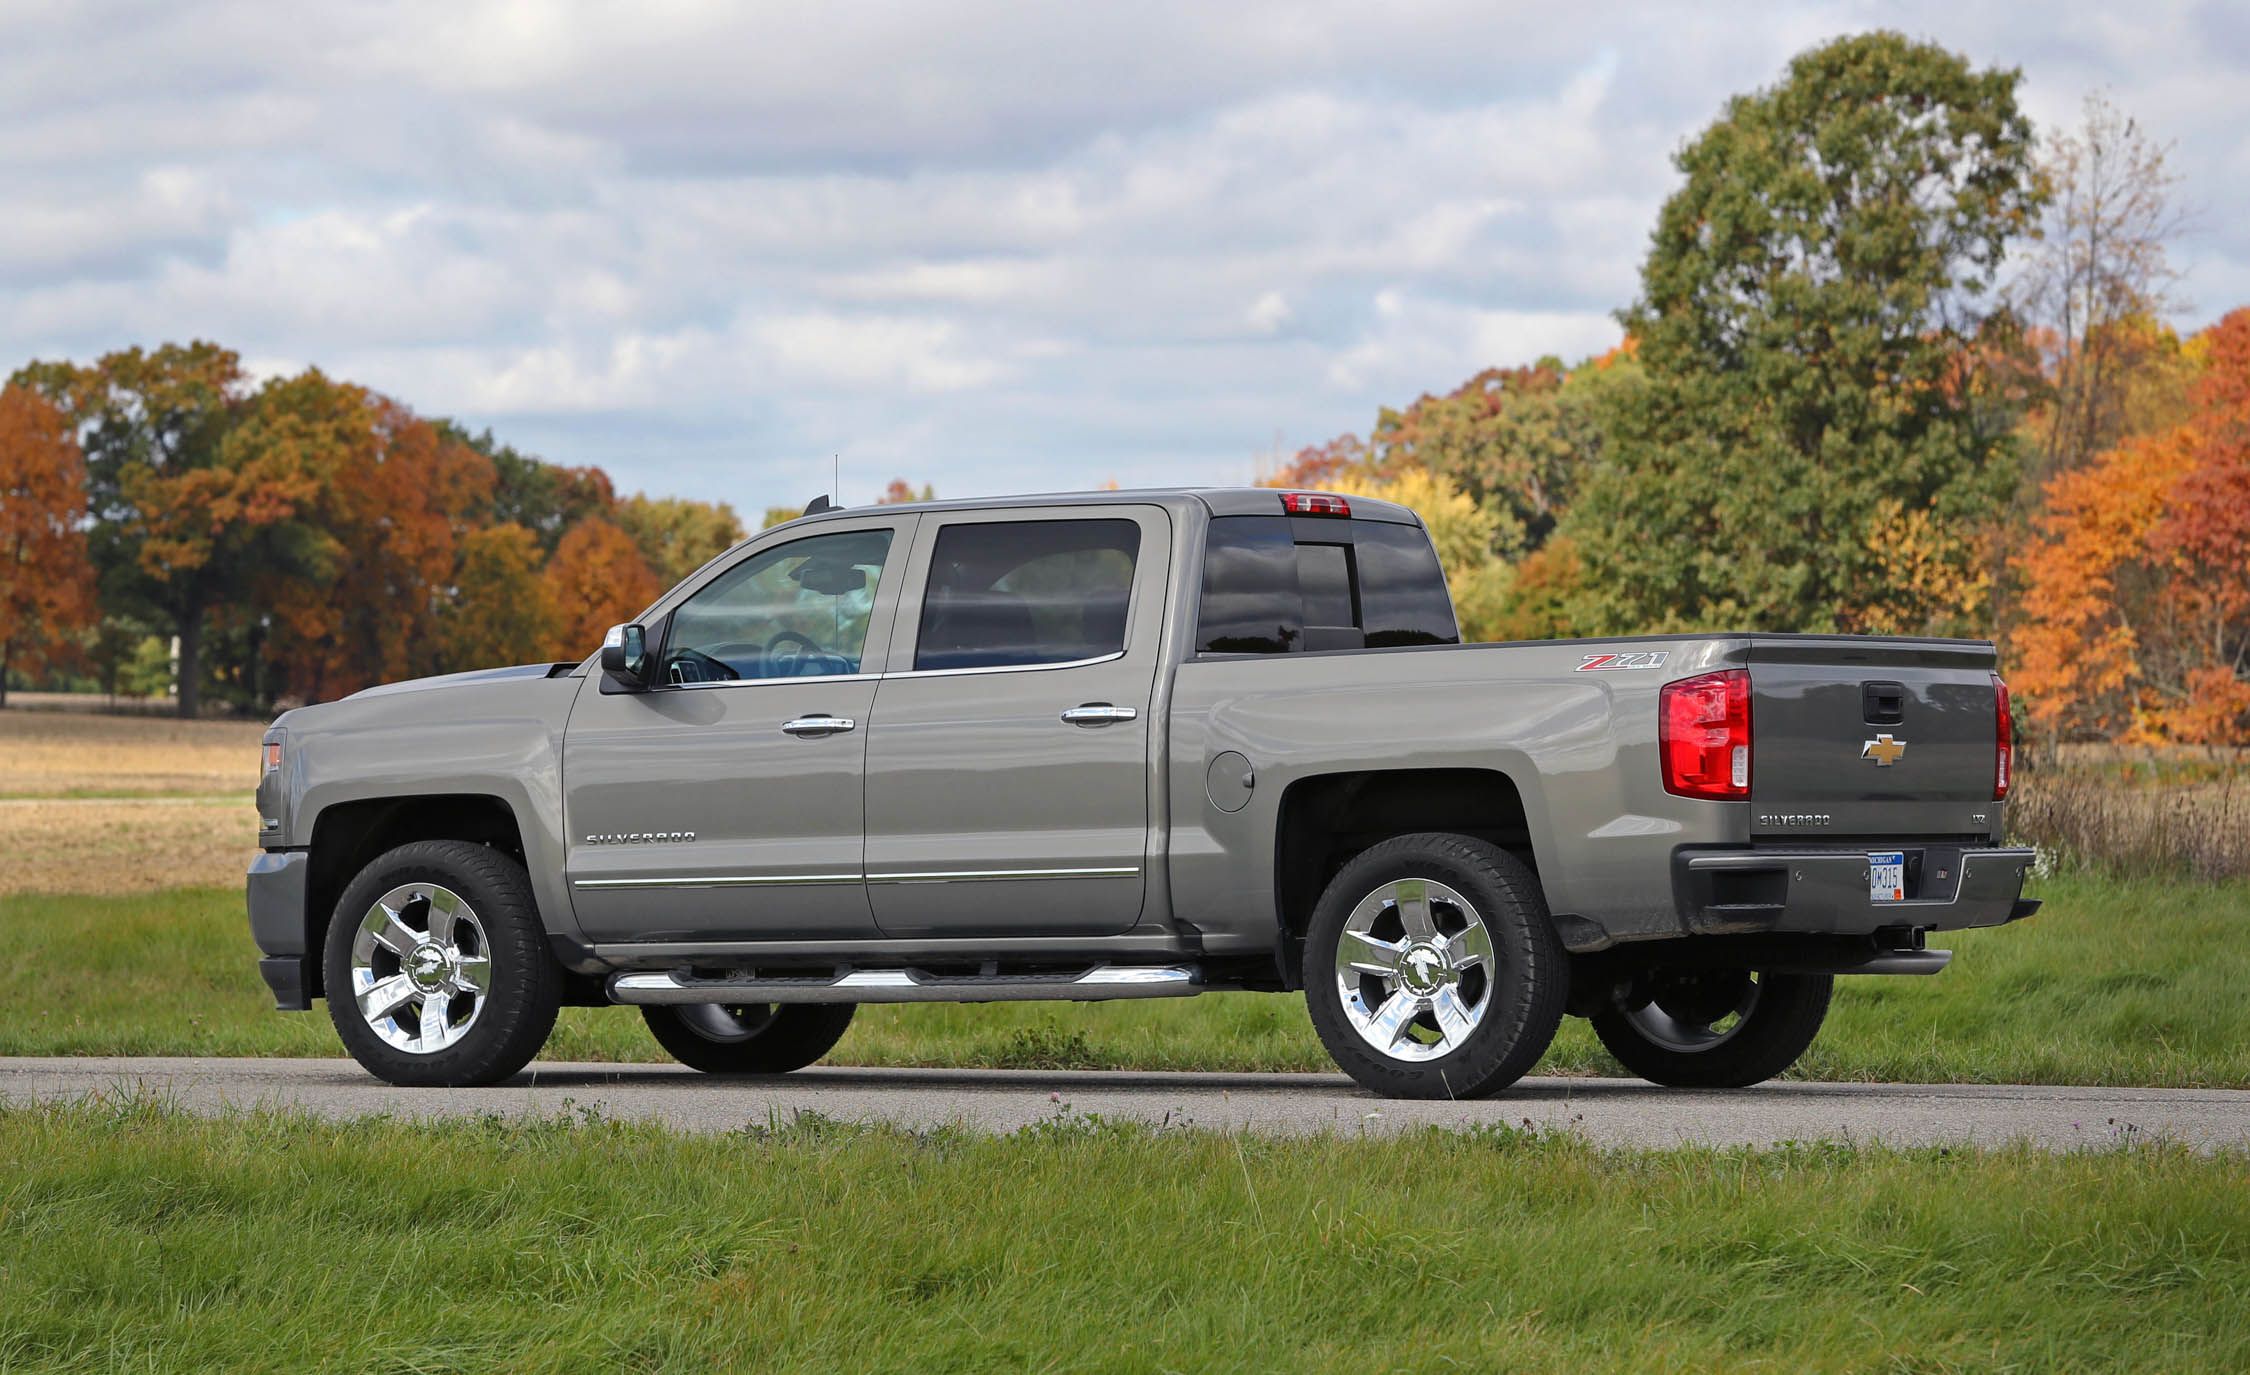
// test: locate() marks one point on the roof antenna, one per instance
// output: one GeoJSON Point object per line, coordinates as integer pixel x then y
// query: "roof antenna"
{"type": "Point", "coordinates": [827, 502]}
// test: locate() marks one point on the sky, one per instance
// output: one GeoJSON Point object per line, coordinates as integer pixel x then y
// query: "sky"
{"type": "Point", "coordinates": [996, 248]}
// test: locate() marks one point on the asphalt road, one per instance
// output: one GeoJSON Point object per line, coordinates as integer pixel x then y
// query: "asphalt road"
{"type": "Point", "coordinates": [1610, 1111]}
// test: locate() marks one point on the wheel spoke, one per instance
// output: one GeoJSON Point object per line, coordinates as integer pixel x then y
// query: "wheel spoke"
{"type": "Point", "coordinates": [445, 910]}
{"type": "Point", "coordinates": [1471, 947]}
{"type": "Point", "coordinates": [1453, 1019]}
{"type": "Point", "coordinates": [433, 1018]}
{"type": "Point", "coordinates": [473, 974]}
{"type": "Point", "coordinates": [385, 996]}
{"type": "Point", "coordinates": [1369, 954]}
{"type": "Point", "coordinates": [389, 932]}
{"type": "Point", "coordinates": [1389, 1021]}
{"type": "Point", "coordinates": [1413, 898]}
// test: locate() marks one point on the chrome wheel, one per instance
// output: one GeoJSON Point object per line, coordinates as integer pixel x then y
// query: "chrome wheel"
{"type": "Point", "coordinates": [1414, 969]}
{"type": "Point", "coordinates": [1692, 1011]}
{"type": "Point", "coordinates": [725, 1022]}
{"type": "Point", "coordinates": [421, 967]}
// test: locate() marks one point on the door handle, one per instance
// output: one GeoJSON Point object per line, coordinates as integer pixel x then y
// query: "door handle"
{"type": "Point", "coordinates": [813, 727]}
{"type": "Point", "coordinates": [1100, 714]}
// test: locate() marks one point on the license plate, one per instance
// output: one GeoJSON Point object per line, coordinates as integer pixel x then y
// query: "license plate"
{"type": "Point", "coordinates": [1886, 876]}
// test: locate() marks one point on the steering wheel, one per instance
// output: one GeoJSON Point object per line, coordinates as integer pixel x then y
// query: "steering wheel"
{"type": "Point", "coordinates": [700, 667]}
{"type": "Point", "coordinates": [780, 665]}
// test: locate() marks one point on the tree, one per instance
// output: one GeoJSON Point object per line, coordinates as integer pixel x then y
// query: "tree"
{"type": "Point", "coordinates": [596, 579]}
{"type": "Point", "coordinates": [2137, 592]}
{"type": "Point", "coordinates": [183, 521]}
{"type": "Point", "coordinates": [544, 498]}
{"type": "Point", "coordinates": [500, 612]}
{"type": "Point", "coordinates": [1806, 328]}
{"type": "Point", "coordinates": [677, 536]}
{"type": "Point", "coordinates": [1516, 440]}
{"type": "Point", "coordinates": [46, 584]}
{"type": "Point", "coordinates": [901, 490]}
{"type": "Point", "coordinates": [2099, 280]}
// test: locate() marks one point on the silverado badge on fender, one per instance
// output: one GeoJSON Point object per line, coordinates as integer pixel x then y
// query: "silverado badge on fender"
{"type": "Point", "coordinates": [1884, 750]}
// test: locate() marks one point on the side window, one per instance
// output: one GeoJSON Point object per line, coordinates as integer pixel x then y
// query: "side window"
{"type": "Point", "coordinates": [1343, 585]}
{"type": "Point", "coordinates": [794, 611]}
{"type": "Point", "coordinates": [1027, 592]}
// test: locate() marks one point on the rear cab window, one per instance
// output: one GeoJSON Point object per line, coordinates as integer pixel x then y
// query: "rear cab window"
{"type": "Point", "coordinates": [1296, 584]}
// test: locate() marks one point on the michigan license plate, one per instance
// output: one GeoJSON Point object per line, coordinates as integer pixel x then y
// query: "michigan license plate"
{"type": "Point", "coordinates": [1886, 876]}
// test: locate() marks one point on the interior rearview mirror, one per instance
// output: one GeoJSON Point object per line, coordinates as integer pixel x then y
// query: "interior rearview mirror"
{"type": "Point", "coordinates": [830, 579]}
{"type": "Point", "coordinates": [625, 656]}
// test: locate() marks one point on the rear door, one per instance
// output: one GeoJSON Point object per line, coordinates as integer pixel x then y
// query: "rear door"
{"type": "Point", "coordinates": [1857, 737]}
{"type": "Point", "coordinates": [1008, 767]}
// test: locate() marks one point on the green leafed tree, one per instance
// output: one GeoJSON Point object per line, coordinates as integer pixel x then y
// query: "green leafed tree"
{"type": "Point", "coordinates": [676, 535]}
{"type": "Point", "coordinates": [1810, 325]}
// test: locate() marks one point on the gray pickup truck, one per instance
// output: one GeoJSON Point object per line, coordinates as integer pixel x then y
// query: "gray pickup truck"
{"type": "Point", "coordinates": [1132, 745]}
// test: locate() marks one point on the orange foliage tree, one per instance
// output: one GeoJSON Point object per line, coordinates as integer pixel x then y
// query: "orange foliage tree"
{"type": "Point", "coordinates": [2137, 592]}
{"type": "Point", "coordinates": [501, 613]}
{"type": "Point", "coordinates": [392, 493]}
{"type": "Point", "coordinates": [46, 584]}
{"type": "Point", "coordinates": [596, 579]}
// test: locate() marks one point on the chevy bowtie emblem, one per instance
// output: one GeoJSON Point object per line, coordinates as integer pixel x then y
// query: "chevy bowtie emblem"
{"type": "Point", "coordinates": [1883, 750]}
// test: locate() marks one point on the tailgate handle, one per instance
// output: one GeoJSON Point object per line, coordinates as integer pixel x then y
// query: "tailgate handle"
{"type": "Point", "coordinates": [1884, 703]}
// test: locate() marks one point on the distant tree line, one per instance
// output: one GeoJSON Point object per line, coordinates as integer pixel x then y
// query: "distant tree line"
{"type": "Point", "coordinates": [299, 539]}
{"type": "Point", "coordinates": [1896, 366]}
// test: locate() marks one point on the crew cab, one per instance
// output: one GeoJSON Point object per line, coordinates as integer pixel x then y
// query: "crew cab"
{"type": "Point", "coordinates": [1132, 745]}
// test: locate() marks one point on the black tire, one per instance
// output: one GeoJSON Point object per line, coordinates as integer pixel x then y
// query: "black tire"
{"type": "Point", "coordinates": [1519, 1000]}
{"type": "Point", "coordinates": [755, 1038]}
{"type": "Point", "coordinates": [525, 985]}
{"type": "Point", "coordinates": [1766, 1039]}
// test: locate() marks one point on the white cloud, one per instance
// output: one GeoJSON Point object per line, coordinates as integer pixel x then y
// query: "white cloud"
{"type": "Point", "coordinates": [985, 246]}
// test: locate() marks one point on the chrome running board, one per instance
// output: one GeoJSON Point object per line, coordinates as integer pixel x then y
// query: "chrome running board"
{"type": "Point", "coordinates": [1097, 984]}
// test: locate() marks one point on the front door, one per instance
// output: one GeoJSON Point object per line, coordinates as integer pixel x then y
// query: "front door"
{"type": "Point", "coordinates": [1008, 771]}
{"type": "Point", "coordinates": [727, 804]}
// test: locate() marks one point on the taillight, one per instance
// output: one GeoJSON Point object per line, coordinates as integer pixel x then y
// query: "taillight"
{"type": "Point", "coordinates": [272, 753]}
{"type": "Point", "coordinates": [1314, 504]}
{"type": "Point", "coordinates": [2004, 740]}
{"type": "Point", "coordinates": [1703, 733]}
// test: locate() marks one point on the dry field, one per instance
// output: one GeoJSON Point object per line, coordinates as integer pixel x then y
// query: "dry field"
{"type": "Point", "coordinates": [124, 804]}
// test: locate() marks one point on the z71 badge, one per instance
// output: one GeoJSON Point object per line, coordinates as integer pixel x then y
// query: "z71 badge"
{"type": "Point", "coordinates": [1605, 663]}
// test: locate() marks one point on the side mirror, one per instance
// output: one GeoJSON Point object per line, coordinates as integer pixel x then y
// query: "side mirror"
{"type": "Point", "coordinates": [625, 656]}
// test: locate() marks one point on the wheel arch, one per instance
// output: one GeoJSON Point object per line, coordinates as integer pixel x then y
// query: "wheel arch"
{"type": "Point", "coordinates": [346, 836]}
{"type": "Point", "coordinates": [1326, 819]}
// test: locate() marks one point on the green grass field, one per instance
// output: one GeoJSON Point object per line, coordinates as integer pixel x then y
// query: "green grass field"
{"type": "Point", "coordinates": [135, 1238]}
{"type": "Point", "coordinates": [2117, 982]}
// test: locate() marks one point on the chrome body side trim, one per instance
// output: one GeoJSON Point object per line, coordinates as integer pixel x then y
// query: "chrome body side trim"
{"type": "Point", "coordinates": [784, 880]}
{"type": "Point", "coordinates": [991, 875]}
{"type": "Point", "coordinates": [715, 881]}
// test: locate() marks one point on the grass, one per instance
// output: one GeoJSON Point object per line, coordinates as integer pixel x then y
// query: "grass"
{"type": "Point", "coordinates": [136, 1237]}
{"type": "Point", "coordinates": [2116, 982]}
{"type": "Point", "coordinates": [79, 753]}
{"type": "Point", "coordinates": [2147, 815]}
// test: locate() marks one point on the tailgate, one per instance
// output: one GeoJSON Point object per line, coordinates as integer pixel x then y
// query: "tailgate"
{"type": "Point", "coordinates": [1857, 736]}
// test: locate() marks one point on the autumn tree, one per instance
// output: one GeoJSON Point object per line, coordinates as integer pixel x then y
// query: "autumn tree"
{"type": "Point", "coordinates": [675, 535]}
{"type": "Point", "coordinates": [182, 521]}
{"type": "Point", "coordinates": [545, 498]}
{"type": "Point", "coordinates": [900, 490]}
{"type": "Point", "coordinates": [393, 498]}
{"type": "Point", "coordinates": [596, 579]}
{"type": "Point", "coordinates": [2137, 592]}
{"type": "Point", "coordinates": [2096, 285]}
{"type": "Point", "coordinates": [1808, 301]}
{"type": "Point", "coordinates": [501, 612]}
{"type": "Point", "coordinates": [46, 583]}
